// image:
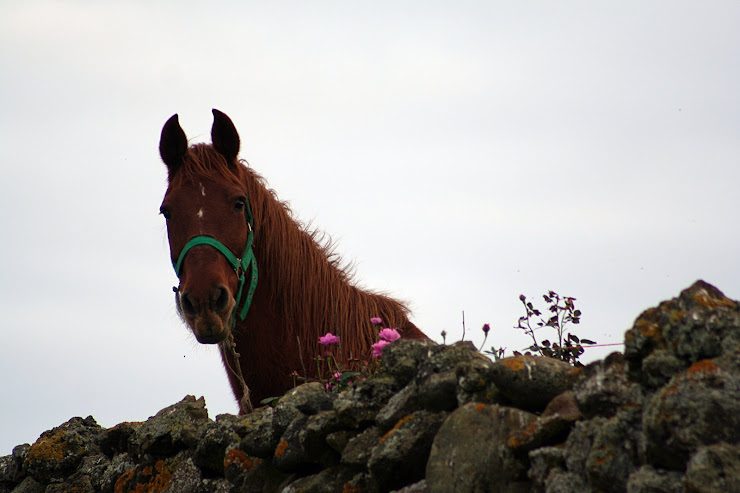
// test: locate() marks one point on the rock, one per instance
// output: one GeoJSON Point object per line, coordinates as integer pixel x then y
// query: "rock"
{"type": "Point", "coordinates": [289, 455]}
{"type": "Point", "coordinates": [172, 429]}
{"type": "Point", "coordinates": [475, 382]}
{"type": "Point", "coordinates": [438, 392]}
{"type": "Point", "coordinates": [714, 468]}
{"type": "Point", "coordinates": [665, 417]}
{"type": "Point", "coordinates": [697, 407]}
{"type": "Point", "coordinates": [658, 367]}
{"type": "Point", "coordinates": [614, 453]}
{"type": "Point", "coordinates": [400, 456]}
{"type": "Point", "coordinates": [544, 461]}
{"type": "Point", "coordinates": [650, 480]}
{"type": "Point", "coordinates": [307, 399]}
{"type": "Point", "coordinates": [358, 449]}
{"type": "Point", "coordinates": [702, 323]}
{"type": "Point", "coordinates": [358, 406]}
{"type": "Point", "coordinates": [116, 438]}
{"type": "Point", "coordinates": [313, 438]}
{"type": "Point", "coordinates": [403, 403]}
{"type": "Point", "coordinates": [338, 440]}
{"type": "Point", "coordinates": [401, 359]}
{"type": "Point", "coordinates": [471, 450]}
{"type": "Point", "coordinates": [259, 433]}
{"type": "Point", "coordinates": [11, 467]}
{"type": "Point", "coordinates": [58, 452]}
{"type": "Point", "coordinates": [29, 485]}
{"type": "Point", "coordinates": [579, 443]}
{"type": "Point", "coordinates": [119, 464]}
{"type": "Point", "coordinates": [211, 449]}
{"type": "Point", "coordinates": [327, 481]}
{"type": "Point", "coordinates": [602, 388]}
{"type": "Point", "coordinates": [566, 482]}
{"type": "Point", "coordinates": [175, 474]}
{"type": "Point", "coordinates": [442, 358]}
{"type": "Point", "coordinates": [419, 487]}
{"type": "Point", "coordinates": [530, 382]}
{"type": "Point", "coordinates": [552, 427]}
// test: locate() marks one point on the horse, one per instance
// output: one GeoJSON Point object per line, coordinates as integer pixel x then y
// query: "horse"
{"type": "Point", "coordinates": [252, 278]}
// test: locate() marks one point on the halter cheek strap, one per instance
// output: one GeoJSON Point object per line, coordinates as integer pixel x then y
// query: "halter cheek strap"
{"type": "Point", "coordinates": [240, 265]}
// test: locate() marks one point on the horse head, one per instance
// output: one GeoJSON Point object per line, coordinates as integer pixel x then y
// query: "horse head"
{"type": "Point", "coordinates": [209, 227]}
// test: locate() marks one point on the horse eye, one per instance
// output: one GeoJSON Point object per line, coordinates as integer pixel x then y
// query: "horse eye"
{"type": "Point", "coordinates": [239, 204]}
{"type": "Point", "coordinates": [164, 213]}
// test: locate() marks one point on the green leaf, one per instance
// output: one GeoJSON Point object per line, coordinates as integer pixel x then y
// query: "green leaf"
{"type": "Point", "coordinates": [270, 401]}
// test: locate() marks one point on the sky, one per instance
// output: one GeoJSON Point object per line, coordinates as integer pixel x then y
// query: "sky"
{"type": "Point", "coordinates": [459, 154]}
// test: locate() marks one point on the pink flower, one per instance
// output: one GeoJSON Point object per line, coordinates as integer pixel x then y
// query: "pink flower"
{"type": "Point", "coordinates": [389, 335]}
{"type": "Point", "coordinates": [378, 348]}
{"type": "Point", "coordinates": [376, 320]}
{"type": "Point", "coordinates": [328, 339]}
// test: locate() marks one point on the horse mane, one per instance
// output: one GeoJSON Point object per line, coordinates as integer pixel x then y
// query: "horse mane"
{"type": "Point", "coordinates": [311, 289]}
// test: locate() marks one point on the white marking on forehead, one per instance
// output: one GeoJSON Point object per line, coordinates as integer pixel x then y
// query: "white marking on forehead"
{"type": "Point", "coordinates": [200, 213]}
{"type": "Point", "coordinates": [202, 189]}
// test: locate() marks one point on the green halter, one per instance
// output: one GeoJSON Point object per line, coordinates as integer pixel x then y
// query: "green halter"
{"type": "Point", "coordinates": [240, 265]}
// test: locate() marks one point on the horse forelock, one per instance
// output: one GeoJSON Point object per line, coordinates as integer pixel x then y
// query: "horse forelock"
{"type": "Point", "coordinates": [203, 162]}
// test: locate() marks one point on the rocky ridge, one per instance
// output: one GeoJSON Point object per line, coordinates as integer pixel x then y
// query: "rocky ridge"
{"type": "Point", "coordinates": [663, 416]}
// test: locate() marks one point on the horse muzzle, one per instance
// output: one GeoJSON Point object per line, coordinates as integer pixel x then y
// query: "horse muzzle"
{"type": "Point", "coordinates": [208, 313]}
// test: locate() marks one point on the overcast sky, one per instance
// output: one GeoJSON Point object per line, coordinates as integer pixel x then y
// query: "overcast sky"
{"type": "Point", "coordinates": [459, 153]}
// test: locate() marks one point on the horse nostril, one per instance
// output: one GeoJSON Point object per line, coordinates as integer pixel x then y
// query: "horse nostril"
{"type": "Point", "coordinates": [186, 304]}
{"type": "Point", "coordinates": [220, 298]}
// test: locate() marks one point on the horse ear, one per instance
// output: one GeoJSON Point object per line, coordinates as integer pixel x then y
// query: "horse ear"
{"type": "Point", "coordinates": [173, 144]}
{"type": "Point", "coordinates": [224, 136]}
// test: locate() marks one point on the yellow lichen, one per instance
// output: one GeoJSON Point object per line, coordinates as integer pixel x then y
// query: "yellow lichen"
{"type": "Point", "coordinates": [706, 300]}
{"type": "Point", "coordinates": [515, 363]}
{"type": "Point", "coordinates": [50, 446]}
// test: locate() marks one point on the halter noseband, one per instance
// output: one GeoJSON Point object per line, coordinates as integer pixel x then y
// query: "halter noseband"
{"type": "Point", "coordinates": [240, 265]}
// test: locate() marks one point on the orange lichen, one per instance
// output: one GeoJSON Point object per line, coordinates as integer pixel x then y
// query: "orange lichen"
{"type": "Point", "coordinates": [351, 488]}
{"type": "Point", "coordinates": [395, 427]}
{"type": "Point", "coordinates": [123, 480]}
{"type": "Point", "coordinates": [705, 367]}
{"type": "Point", "coordinates": [670, 390]}
{"type": "Point", "coordinates": [280, 449]}
{"type": "Point", "coordinates": [148, 479]}
{"type": "Point", "coordinates": [519, 437]}
{"type": "Point", "coordinates": [480, 407]}
{"type": "Point", "coordinates": [246, 462]}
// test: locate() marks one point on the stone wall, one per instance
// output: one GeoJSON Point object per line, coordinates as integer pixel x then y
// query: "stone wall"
{"type": "Point", "coordinates": [665, 416]}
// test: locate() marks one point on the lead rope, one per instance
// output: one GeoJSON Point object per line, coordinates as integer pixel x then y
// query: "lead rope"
{"type": "Point", "coordinates": [245, 403]}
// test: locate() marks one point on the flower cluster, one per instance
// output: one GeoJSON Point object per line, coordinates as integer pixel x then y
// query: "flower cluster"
{"type": "Point", "coordinates": [339, 378]}
{"type": "Point", "coordinates": [386, 335]}
{"type": "Point", "coordinates": [328, 339]}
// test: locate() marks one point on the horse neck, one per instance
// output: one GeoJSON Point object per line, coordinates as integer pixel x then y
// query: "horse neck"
{"type": "Point", "coordinates": [304, 288]}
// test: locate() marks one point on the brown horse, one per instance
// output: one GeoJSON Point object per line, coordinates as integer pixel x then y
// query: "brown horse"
{"type": "Point", "coordinates": [217, 208]}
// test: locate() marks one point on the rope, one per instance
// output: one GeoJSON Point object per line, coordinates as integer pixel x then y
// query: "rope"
{"type": "Point", "coordinates": [245, 404]}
